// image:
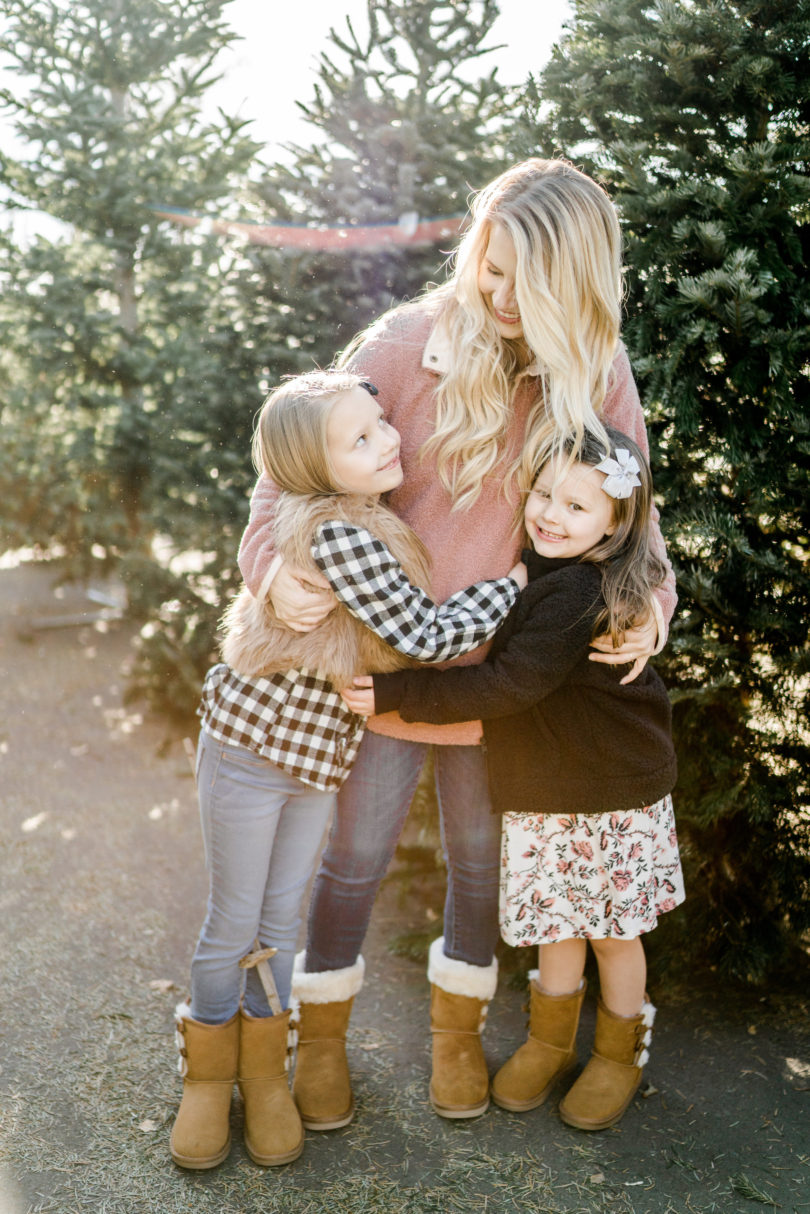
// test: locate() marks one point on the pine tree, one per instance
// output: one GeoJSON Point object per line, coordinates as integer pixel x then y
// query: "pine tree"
{"type": "Point", "coordinates": [108, 365]}
{"type": "Point", "coordinates": [696, 114]}
{"type": "Point", "coordinates": [402, 122]}
{"type": "Point", "coordinates": [406, 122]}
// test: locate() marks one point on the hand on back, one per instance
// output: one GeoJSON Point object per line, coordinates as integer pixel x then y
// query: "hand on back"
{"type": "Point", "coordinates": [301, 598]}
{"type": "Point", "coordinates": [640, 643]}
{"type": "Point", "coordinates": [359, 698]}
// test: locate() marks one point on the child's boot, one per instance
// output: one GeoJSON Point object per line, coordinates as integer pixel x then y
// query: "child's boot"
{"type": "Point", "coordinates": [273, 1130]}
{"type": "Point", "coordinates": [526, 1079]}
{"type": "Point", "coordinates": [201, 1135]}
{"type": "Point", "coordinates": [459, 998]}
{"type": "Point", "coordinates": [611, 1078]}
{"type": "Point", "coordinates": [322, 1004]}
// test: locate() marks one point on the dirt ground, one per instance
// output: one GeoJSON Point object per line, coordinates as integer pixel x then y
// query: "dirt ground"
{"type": "Point", "coordinates": [102, 892]}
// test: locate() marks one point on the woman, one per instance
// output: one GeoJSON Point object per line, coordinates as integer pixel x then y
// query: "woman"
{"type": "Point", "coordinates": [527, 327]}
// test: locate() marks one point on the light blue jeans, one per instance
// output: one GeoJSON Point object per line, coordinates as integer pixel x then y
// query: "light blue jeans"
{"type": "Point", "coordinates": [372, 807]}
{"type": "Point", "coordinates": [262, 831]}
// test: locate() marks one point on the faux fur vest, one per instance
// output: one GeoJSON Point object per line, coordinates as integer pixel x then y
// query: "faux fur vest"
{"type": "Point", "coordinates": [257, 643]}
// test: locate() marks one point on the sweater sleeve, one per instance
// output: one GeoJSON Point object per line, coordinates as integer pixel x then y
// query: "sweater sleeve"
{"type": "Point", "coordinates": [536, 660]}
{"type": "Point", "coordinates": [622, 410]}
{"type": "Point", "coordinates": [257, 549]}
{"type": "Point", "coordinates": [366, 577]}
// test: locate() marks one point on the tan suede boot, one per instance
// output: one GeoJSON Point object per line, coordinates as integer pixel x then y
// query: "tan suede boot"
{"type": "Point", "coordinates": [201, 1135]}
{"type": "Point", "coordinates": [273, 1130]}
{"type": "Point", "coordinates": [322, 1004]}
{"type": "Point", "coordinates": [526, 1079]}
{"type": "Point", "coordinates": [459, 998]}
{"type": "Point", "coordinates": [611, 1078]}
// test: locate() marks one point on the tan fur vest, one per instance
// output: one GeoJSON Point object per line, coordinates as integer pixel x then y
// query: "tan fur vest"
{"type": "Point", "coordinates": [257, 643]}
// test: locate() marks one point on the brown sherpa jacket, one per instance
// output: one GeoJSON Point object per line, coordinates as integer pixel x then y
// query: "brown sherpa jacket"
{"type": "Point", "coordinates": [256, 643]}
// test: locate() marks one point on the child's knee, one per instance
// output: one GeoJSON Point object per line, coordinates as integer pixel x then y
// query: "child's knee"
{"type": "Point", "coordinates": [613, 947]}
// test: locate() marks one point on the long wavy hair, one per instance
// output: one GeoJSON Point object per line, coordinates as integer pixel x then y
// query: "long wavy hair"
{"type": "Point", "coordinates": [568, 288]}
{"type": "Point", "coordinates": [629, 567]}
{"type": "Point", "coordinates": [290, 445]}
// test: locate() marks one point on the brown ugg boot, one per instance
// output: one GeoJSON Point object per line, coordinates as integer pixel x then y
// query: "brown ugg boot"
{"type": "Point", "coordinates": [322, 1004]}
{"type": "Point", "coordinates": [459, 998]}
{"type": "Point", "coordinates": [201, 1135]}
{"type": "Point", "coordinates": [611, 1077]}
{"type": "Point", "coordinates": [526, 1079]}
{"type": "Point", "coordinates": [273, 1130]}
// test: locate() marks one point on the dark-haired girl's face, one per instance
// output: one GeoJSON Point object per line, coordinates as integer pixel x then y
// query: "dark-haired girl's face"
{"type": "Point", "coordinates": [567, 516]}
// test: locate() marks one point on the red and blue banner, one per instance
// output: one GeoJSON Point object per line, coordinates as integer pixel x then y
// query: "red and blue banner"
{"type": "Point", "coordinates": [410, 230]}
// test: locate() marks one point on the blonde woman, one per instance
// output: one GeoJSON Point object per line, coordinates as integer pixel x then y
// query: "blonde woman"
{"type": "Point", "coordinates": [525, 330]}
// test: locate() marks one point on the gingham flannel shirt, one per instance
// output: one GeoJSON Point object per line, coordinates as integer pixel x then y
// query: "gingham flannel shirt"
{"type": "Point", "coordinates": [296, 720]}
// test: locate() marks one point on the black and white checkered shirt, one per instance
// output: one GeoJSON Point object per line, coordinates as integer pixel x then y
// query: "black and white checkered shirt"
{"type": "Point", "coordinates": [296, 720]}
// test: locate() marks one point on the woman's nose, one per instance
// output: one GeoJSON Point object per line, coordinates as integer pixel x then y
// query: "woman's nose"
{"type": "Point", "coordinates": [504, 297]}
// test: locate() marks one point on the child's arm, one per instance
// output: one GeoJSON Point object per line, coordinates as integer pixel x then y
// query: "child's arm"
{"type": "Point", "coordinates": [536, 660]}
{"type": "Point", "coordinates": [366, 577]}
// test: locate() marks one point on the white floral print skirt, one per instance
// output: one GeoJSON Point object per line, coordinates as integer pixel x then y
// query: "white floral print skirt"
{"type": "Point", "coordinates": [588, 876]}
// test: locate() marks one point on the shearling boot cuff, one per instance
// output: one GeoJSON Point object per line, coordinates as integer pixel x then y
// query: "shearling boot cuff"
{"type": "Point", "coordinates": [327, 986]}
{"type": "Point", "coordinates": [459, 977]}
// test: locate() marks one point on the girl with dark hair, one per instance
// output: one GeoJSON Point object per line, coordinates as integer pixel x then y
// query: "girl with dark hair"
{"type": "Point", "coordinates": [580, 763]}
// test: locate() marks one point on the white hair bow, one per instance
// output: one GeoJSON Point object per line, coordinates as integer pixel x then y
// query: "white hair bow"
{"type": "Point", "coordinates": [621, 473]}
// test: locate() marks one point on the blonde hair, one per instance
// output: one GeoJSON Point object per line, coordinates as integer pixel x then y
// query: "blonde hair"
{"type": "Point", "coordinates": [290, 446]}
{"type": "Point", "coordinates": [568, 289]}
{"type": "Point", "coordinates": [289, 442]}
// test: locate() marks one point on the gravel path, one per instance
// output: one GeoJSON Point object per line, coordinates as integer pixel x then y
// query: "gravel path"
{"type": "Point", "coordinates": [101, 894]}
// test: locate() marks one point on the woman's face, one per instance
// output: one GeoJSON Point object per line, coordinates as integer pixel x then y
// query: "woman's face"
{"type": "Point", "coordinates": [363, 448]}
{"type": "Point", "coordinates": [496, 282]}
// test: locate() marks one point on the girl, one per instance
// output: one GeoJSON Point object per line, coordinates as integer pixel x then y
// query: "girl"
{"type": "Point", "coordinates": [527, 326]}
{"type": "Point", "coordinates": [580, 764]}
{"type": "Point", "coordinates": [277, 741]}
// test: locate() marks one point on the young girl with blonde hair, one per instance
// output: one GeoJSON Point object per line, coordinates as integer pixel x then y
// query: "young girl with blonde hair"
{"type": "Point", "coordinates": [526, 328]}
{"type": "Point", "coordinates": [277, 741]}
{"type": "Point", "coordinates": [581, 766]}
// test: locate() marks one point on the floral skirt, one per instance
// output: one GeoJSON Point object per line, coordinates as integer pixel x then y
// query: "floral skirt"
{"type": "Point", "coordinates": [588, 876]}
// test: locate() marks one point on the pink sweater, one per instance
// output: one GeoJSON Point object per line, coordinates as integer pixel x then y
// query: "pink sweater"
{"type": "Point", "coordinates": [403, 357]}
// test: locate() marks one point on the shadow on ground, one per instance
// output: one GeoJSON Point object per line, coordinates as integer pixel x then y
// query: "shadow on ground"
{"type": "Point", "coordinates": [101, 898]}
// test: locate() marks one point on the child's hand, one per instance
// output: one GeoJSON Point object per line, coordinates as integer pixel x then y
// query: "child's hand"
{"type": "Point", "coordinates": [301, 598]}
{"type": "Point", "coordinates": [519, 574]}
{"type": "Point", "coordinates": [359, 698]}
{"type": "Point", "coordinates": [640, 643]}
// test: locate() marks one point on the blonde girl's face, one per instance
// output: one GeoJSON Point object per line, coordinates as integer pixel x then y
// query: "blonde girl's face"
{"type": "Point", "coordinates": [496, 282]}
{"type": "Point", "coordinates": [363, 448]}
{"type": "Point", "coordinates": [569, 518]}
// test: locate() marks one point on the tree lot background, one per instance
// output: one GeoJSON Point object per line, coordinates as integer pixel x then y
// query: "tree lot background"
{"type": "Point", "coordinates": [135, 353]}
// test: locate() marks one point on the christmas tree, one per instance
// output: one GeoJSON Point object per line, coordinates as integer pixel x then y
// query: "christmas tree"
{"type": "Point", "coordinates": [105, 325]}
{"type": "Point", "coordinates": [696, 116]}
{"type": "Point", "coordinates": [404, 126]}
{"type": "Point", "coordinates": [406, 122]}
